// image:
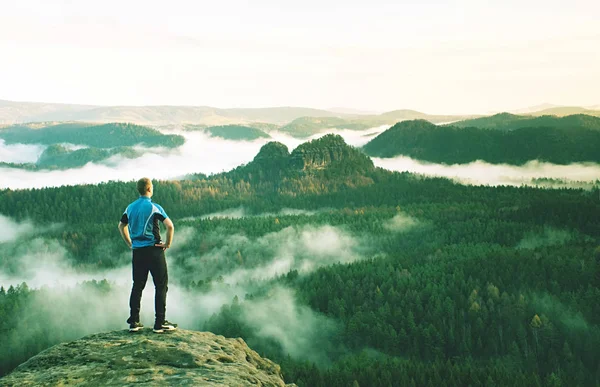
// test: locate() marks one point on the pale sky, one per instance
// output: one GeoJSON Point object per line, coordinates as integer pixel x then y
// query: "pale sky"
{"type": "Point", "coordinates": [436, 56]}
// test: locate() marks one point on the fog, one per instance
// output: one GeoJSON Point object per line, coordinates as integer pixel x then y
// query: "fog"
{"type": "Point", "coordinates": [202, 153]}
{"type": "Point", "coordinates": [479, 172]}
{"type": "Point", "coordinates": [549, 236]}
{"type": "Point", "coordinates": [34, 257]}
{"type": "Point", "coordinates": [19, 153]}
{"type": "Point", "coordinates": [240, 212]}
{"type": "Point", "coordinates": [294, 248]}
{"type": "Point", "coordinates": [12, 230]}
{"type": "Point", "coordinates": [400, 222]}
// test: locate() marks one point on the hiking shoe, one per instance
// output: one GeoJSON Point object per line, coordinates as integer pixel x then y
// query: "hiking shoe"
{"type": "Point", "coordinates": [165, 326]}
{"type": "Point", "coordinates": [136, 326]}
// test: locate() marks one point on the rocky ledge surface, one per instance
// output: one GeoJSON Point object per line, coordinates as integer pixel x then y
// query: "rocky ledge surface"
{"type": "Point", "coordinates": [120, 358]}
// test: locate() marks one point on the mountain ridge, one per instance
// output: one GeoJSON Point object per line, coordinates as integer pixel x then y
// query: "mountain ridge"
{"type": "Point", "coordinates": [450, 144]}
{"type": "Point", "coordinates": [13, 112]}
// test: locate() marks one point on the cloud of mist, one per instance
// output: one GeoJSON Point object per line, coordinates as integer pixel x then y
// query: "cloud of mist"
{"type": "Point", "coordinates": [12, 230]}
{"type": "Point", "coordinates": [301, 332]}
{"type": "Point", "coordinates": [241, 212]}
{"type": "Point", "coordinates": [303, 248]}
{"type": "Point", "coordinates": [400, 222]}
{"type": "Point", "coordinates": [479, 172]}
{"type": "Point", "coordinates": [62, 299]}
{"type": "Point", "coordinates": [202, 153]}
{"type": "Point", "coordinates": [556, 310]}
{"type": "Point", "coordinates": [548, 237]}
{"type": "Point", "coordinates": [20, 153]}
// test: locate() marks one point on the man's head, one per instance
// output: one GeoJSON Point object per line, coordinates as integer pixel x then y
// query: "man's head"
{"type": "Point", "coordinates": [144, 187]}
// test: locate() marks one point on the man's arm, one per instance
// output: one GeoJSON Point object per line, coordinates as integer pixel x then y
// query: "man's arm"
{"type": "Point", "coordinates": [170, 231]}
{"type": "Point", "coordinates": [124, 230]}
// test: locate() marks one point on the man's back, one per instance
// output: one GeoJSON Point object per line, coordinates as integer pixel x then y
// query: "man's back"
{"type": "Point", "coordinates": [142, 217]}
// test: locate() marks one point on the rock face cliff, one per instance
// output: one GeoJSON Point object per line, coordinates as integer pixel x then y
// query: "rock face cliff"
{"type": "Point", "coordinates": [175, 358]}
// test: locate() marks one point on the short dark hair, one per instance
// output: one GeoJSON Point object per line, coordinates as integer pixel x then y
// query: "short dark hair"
{"type": "Point", "coordinates": [143, 184]}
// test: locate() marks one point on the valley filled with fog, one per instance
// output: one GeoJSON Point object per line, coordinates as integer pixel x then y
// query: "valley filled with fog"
{"type": "Point", "coordinates": [319, 256]}
{"type": "Point", "coordinates": [202, 153]}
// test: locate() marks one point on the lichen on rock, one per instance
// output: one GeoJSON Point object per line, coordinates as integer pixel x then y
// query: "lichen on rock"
{"type": "Point", "coordinates": [120, 358]}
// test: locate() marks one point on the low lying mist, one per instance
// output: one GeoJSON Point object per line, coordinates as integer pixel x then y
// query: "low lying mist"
{"type": "Point", "coordinates": [20, 153]}
{"type": "Point", "coordinates": [240, 212]}
{"type": "Point", "coordinates": [202, 153]}
{"type": "Point", "coordinates": [482, 173]}
{"type": "Point", "coordinates": [64, 296]}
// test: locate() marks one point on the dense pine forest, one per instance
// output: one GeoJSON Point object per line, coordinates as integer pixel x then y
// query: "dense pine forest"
{"type": "Point", "coordinates": [508, 122]}
{"type": "Point", "coordinates": [556, 140]}
{"type": "Point", "coordinates": [94, 135]}
{"type": "Point", "coordinates": [428, 283]}
{"type": "Point", "coordinates": [236, 132]}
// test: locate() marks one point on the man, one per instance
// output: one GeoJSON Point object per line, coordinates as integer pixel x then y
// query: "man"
{"type": "Point", "coordinates": [139, 229]}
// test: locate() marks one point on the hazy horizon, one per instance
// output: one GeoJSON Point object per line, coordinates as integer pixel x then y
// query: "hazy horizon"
{"type": "Point", "coordinates": [334, 109]}
{"type": "Point", "coordinates": [440, 56]}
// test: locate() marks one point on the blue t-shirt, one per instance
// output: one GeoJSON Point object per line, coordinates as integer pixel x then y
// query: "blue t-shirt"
{"type": "Point", "coordinates": [142, 217]}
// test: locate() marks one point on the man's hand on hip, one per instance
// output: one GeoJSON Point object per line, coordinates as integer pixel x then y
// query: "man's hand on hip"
{"type": "Point", "coordinates": [162, 246]}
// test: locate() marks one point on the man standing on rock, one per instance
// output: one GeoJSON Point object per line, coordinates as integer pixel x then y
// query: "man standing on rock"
{"type": "Point", "coordinates": [139, 229]}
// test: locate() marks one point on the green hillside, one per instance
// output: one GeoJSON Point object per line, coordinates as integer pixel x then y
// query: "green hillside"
{"type": "Point", "coordinates": [450, 144]}
{"type": "Point", "coordinates": [236, 132]}
{"type": "Point", "coordinates": [93, 135]}
{"type": "Point", "coordinates": [507, 122]}
{"type": "Point", "coordinates": [58, 157]}
{"type": "Point", "coordinates": [307, 126]}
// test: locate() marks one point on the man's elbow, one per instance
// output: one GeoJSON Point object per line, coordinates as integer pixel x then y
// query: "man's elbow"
{"type": "Point", "coordinates": [169, 224]}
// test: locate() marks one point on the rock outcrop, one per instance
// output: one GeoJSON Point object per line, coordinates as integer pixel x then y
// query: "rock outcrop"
{"type": "Point", "coordinates": [121, 358]}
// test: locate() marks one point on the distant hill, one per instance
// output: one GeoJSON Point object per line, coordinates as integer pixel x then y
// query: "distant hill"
{"type": "Point", "coordinates": [93, 135]}
{"type": "Point", "coordinates": [12, 112]}
{"type": "Point", "coordinates": [236, 132]}
{"type": "Point", "coordinates": [406, 114]}
{"type": "Point", "coordinates": [451, 144]}
{"type": "Point", "coordinates": [307, 126]}
{"type": "Point", "coordinates": [344, 110]}
{"type": "Point", "coordinates": [15, 112]}
{"type": "Point", "coordinates": [501, 121]}
{"type": "Point", "coordinates": [558, 110]}
{"type": "Point", "coordinates": [59, 157]}
{"type": "Point", "coordinates": [535, 108]}
{"type": "Point", "coordinates": [565, 111]}
{"type": "Point", "coordinates": [507, 122]}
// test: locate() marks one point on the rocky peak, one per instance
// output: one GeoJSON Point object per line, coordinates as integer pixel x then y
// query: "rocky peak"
{"type": "Point", "coordinates": [121, 358]}
{"type": "Point", "coordinates": [329, 151]}
{"type": "Point", "coordinates": [272, 151]}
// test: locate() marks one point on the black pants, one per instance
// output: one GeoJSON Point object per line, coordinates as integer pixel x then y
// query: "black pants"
{"type": "Point", "coordinates": [149, 259]}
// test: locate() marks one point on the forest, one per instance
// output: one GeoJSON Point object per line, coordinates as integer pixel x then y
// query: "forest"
{"type": "Point", "coordinates": [94, 135]}
{"type": "Point", "coordinates": [428, 283]}
{"type": "Point", "coordinates": [236, 132]}
{"type": "Point", "coordinates": [551, 141]}
{"type": "Point", "coordinates": [508, 122]}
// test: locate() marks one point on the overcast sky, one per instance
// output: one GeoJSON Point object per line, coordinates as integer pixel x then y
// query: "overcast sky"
{"type": "Point", "coordinates": [437, 56]}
